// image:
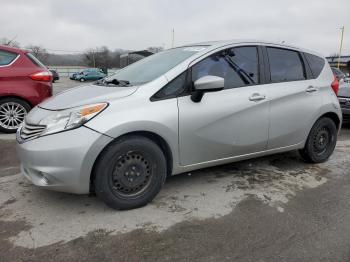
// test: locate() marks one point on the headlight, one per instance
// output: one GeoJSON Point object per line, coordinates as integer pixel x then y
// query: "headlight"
{"type": "Point", "coordinates": [71, 118]}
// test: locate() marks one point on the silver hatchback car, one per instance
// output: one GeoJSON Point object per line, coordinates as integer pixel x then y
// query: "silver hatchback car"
{"type": "Point", "coordinates": [182, 109]}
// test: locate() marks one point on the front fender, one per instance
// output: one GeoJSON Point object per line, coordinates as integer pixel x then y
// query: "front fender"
{"type": "Point", "coordinates": [137, 115]}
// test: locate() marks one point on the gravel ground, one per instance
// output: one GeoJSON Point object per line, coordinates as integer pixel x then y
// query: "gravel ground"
{"type": "Point", "coordinates": [274, 208]}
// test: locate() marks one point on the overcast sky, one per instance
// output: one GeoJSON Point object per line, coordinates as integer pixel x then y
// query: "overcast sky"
{"type": "Point", "coordinates": [76, 25]}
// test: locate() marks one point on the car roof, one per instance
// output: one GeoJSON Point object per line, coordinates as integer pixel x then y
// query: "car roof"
{"type": "Point", "coordinates": [221, 43]}
{"type": "Point", "coordinates": [11, 49]}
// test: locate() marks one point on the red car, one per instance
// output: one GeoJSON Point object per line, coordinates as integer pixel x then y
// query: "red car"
{"type": "Point", "coordinates": [24, 83]}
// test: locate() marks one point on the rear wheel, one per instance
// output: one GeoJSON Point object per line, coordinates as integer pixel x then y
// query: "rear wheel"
{"type": "Point", "coordinates": [130, 173]}
{"type": "Point", "coordinates": [321, 141]}
{"type": "Point", "coordinates": [12, 113]}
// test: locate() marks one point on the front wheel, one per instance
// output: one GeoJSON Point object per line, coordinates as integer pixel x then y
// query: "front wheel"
{"type": "Point", "coordinates": [321, 141]}
{"type": "Point", "coordinates": [82, 79]}
{"type": "Point", "coordinates": [130, 172]}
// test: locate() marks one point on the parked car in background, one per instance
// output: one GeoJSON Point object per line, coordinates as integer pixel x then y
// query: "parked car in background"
{"type": "Point", "coordinates": [90, 74]}
{"type": "Point", "coordinates": [24, 83]}
{"type": "Point", "coordinates": [341, 75]}
{"type": "Point", "coordinates": [344, 93]}
{"type": "Point", "coordinates": [179, 110]}
{"type": "Point", "coordinates": [55, 76]}
{"type": "Point", "coordinates": [338, 73]}
{"type": "Point", "coordinates": [72, 76]}
{"type": "Point", "coordinates": [344, 100]}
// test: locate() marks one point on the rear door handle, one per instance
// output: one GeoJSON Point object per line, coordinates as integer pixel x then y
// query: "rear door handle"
{"type": "Point", "coordinates": [311, 89]}
{"type": "Point", "coordinates": [256, 97]}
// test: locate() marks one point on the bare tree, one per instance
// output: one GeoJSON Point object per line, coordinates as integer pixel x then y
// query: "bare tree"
{"type": "Point", "coordinates": [9, 42]}
{"type": "Point", "coordinates": [99, 57]}
{"type": "Point", "coordinates": [39, 52]}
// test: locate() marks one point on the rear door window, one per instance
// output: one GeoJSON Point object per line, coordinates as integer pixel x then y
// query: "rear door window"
{"type": "Point", "coordinates": [285, 65]}
{"type": "Point", "coordinates": [316, 64]}
{"type": "Point", "coordinates": [6, 57]}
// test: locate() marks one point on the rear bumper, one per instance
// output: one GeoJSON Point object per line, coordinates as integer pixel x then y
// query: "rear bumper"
{"type": "Point", "coordinates": [62, 161]}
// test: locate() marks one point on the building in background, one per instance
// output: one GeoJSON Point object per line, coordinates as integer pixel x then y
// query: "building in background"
{"type": "Point", "coordinates": [344, 64]}
{"type": "Point", "coordinates": [132, 57]}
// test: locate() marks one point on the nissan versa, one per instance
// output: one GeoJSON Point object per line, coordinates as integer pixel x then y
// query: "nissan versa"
{"type": "Point", "coordinates": [178, 110]}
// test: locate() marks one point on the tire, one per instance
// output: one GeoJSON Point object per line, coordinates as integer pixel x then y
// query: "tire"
{"type": "Point", "coordinates": [81, 79]}
{"type": "Point", "coordinates": [130, 172]}
{"type": "Point", "coordinates": [12, 113]}
{"type": "Point", "coordinates": [321, 141]}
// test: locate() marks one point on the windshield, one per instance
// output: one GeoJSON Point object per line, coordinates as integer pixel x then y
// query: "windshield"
{"type": "Point", "coordinates": [155, 65]}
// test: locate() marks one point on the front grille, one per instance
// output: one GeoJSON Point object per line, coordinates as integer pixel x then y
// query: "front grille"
{"type": "Point", "coordinates": [30, 131]}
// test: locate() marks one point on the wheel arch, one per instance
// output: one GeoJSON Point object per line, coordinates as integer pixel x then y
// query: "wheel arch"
{"type": "Point", "coordinates": [156, 138]}
{"type": "Point", "coordinates": [332, 116]}
{"type": "Point", "coordinates": [17, 97]}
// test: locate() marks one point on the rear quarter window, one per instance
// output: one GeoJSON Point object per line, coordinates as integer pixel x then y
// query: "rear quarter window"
{"type": "Point", "coordinates": [316, 64]}
{"type": "Point", "coordinates": [6, 57]}
{"type": "Point", "coordinates": [35, 60]}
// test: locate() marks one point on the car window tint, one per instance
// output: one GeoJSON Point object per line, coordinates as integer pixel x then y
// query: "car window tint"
{"type": "Point", "coordinates": [285, 65]}
{"type": "Point", "coordinates": [238, 66]}
{"type": "Point", "coordinates": [173, 88]}
{"type": "Point", "coordinates": [316, 64]}
{"type": "Point", "coordinates": [6, 57]}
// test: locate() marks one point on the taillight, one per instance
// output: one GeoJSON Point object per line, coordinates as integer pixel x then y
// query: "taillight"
{"type": "Point", "coordinates": [44, 76]}
{"type": "Point", "coordinates": [335, 85]}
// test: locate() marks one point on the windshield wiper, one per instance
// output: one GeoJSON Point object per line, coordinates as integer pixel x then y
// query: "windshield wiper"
{"type": "Point", "coordinates": [114, 81]}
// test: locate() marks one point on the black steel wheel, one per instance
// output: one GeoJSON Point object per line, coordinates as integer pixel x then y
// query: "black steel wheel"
{"type": "Point", "coordinates": [321, 141]}
{"type": "Point", "coordinates": [130, 172]}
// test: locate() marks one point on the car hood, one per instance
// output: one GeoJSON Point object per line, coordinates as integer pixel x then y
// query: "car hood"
{"type": "Point", "coordinates": [87, 94]}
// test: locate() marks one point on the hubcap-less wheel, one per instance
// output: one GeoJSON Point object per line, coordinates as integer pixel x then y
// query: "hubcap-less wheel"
{"type": "Point", "coordinates": [322, 141]}
{"type": "Point", "coordinates": [130, 172]}
{"type": "Point", "coordinates": [131, 175]}
{"type": "Point", "coordinates": [11, 115]}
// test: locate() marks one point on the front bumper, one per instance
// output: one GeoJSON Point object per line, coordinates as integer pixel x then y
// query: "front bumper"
{"type": "Point", "coordinates": [62, 161]}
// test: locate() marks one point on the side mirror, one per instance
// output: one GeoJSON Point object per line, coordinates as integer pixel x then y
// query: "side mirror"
{"type": "Point", "coordinates": [206, 84]}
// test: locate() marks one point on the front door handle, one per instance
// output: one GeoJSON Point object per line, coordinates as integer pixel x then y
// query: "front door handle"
{"type": "Point", "coordinates": [311, 89]}
{"type": "Point", "coordinates": [256, 97]}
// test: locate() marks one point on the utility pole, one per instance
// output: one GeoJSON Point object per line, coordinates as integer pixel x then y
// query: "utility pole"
{"type": "Point", "coordinates": [93, 57]}
{"type": "Point", "coordinates": [341, 45]}
{"type": "Point", "coordinates": [172, 37]}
